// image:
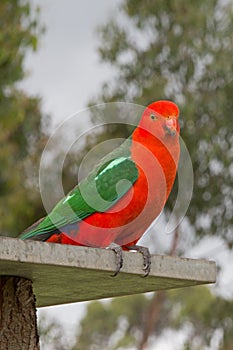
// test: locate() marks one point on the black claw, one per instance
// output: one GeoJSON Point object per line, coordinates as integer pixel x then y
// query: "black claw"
{"type": "Point", "coordinates": [119, 259]}
{"type": "Point", "coordinates": [146, 257]}
{"type": "Point", "coordinates": [146, 261]}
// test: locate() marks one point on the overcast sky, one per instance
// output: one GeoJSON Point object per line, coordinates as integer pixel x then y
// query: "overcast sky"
{"type": "Point", "coordinates": [66, 70]}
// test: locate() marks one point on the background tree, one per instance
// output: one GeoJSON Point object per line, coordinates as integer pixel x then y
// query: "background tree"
{"type": "Point", "coordinates": [180, 51]}
{"type": "Point", "coordinates": [21, 142]}
{"type": "Point", "coordinates": [187, 313]}
{"type": "Point", "coordinates": [21, 124]}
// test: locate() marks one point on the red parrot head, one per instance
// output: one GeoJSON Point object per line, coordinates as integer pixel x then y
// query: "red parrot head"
{"type": "Point", "coordinates": [161, 119]}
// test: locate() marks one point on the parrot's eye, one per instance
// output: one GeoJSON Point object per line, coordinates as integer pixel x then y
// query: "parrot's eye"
{"type": "Point", "coordinates": [153, 117]}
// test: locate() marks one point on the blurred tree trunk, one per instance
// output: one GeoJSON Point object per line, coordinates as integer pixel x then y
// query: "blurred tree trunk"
{"type": "Point", "coordinates": [154, 310]}
{"type": "Point", "coordinates": [152, 317]}
{"type": "Point", "coordinates": [18, 328]}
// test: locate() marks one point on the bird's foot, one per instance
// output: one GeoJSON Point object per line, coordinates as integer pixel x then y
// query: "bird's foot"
{"type": "Point", "coordinates": [119, 259]}
{"type": "Point", "coordinates": [146, 257]}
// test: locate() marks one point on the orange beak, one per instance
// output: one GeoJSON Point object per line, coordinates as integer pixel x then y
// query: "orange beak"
{"type": "Point", "coordinates": [170, 126]}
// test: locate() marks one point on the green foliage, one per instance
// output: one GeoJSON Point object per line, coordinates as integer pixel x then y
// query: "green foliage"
{"type": "Point", "coordinates": [21, 137]}
{"type": "Point", "coordinates": [112, 325]}
{"type": "Point", "coordinates": [103, 325]}
{"type": "Point", "coordinates": [205, 314]}
{"type": "Point", "coordinates": [19, 32]}
{"type": "Point", "coordinates": [182, 51]}
{"type": "Point", "coordinates": [119, 323]}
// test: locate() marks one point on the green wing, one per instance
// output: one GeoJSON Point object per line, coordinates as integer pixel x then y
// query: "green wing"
{"type": "Point", "coordinates": [98, 192]}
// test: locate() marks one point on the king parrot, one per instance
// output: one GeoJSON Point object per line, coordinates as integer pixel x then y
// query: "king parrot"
{"type": "Point", "coordinates": [118, 200]}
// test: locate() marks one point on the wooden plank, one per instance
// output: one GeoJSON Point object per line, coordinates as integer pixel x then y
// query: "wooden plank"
{"type": "Point", "coordinates": [64, 274]}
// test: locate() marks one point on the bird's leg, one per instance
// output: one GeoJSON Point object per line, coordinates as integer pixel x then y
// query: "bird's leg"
{"type": "Point", "coordinates": [119, 259]}
{"type": "Point", "coordinates": [146, 257]}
